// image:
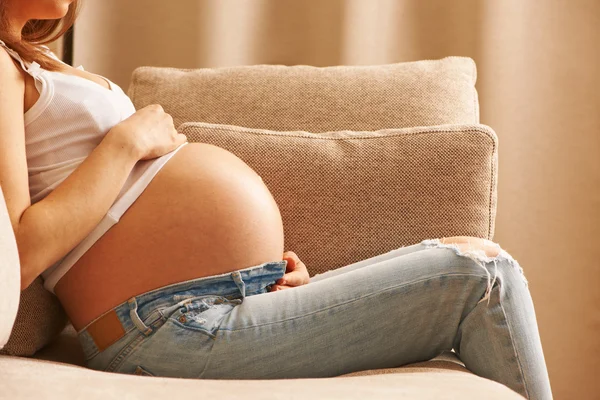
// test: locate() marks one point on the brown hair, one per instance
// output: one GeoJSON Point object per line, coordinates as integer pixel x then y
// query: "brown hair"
{"type": "Point", "coordinates": [37, 32]}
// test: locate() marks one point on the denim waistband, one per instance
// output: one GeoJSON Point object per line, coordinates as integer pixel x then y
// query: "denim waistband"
{"type": "Point", "coordinates": [232, 285]}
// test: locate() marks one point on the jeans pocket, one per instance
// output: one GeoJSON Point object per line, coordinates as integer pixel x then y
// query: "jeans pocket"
{"type": "Point", "coordinates": [204, 313]}
{"type": "Point", "coordinates": [181, 346]}
{"type": "Point", "coordinates": [115, 355]}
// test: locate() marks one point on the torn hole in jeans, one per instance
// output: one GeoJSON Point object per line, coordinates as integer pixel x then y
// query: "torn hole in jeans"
{"type": "Point", "coordinates": [481, 258]}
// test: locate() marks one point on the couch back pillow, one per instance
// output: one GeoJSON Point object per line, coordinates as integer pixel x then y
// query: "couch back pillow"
{"type": "Point", "coordinates": [346, 196]}
{"type": "Point", "coordinates": [315, 99]}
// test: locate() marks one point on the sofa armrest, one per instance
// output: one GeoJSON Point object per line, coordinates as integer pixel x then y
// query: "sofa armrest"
{"type": "Point", "coordinates": [10, 274]}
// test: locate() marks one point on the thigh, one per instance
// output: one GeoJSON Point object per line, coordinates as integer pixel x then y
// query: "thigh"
{"type": "Point", "coordinates": [401, 310]}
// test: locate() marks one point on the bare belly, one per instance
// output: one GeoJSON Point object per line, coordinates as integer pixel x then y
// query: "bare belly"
{"type": "Point", "coordinates": [205, 213]}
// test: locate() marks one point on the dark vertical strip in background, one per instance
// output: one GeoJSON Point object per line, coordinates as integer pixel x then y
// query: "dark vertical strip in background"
{"type": "Point", "coordinates": [68, 46]}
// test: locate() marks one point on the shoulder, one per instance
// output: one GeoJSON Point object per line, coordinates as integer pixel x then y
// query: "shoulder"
{"type": "Point", "coordinates": [10, 72]}
{"type": "Point", "coordinates": [5, 58]}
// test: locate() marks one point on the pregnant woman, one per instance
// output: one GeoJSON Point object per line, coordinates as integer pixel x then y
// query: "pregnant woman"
{"type": "Point", "coordinates": [168, 256]}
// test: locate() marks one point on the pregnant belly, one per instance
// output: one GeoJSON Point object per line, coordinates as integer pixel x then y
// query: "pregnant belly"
{"type": "Point", "coordinates": [205, 213]}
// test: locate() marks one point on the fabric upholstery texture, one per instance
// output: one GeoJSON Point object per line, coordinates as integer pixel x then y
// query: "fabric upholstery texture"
{"type": "Point", "coordinates": [39, 320]}
{"type": "Point", "coordinates": [55, 381]}
{"type": "Point", "coordinates": [315, 99]}
{"type": "Point", "coordinates": [346, 196]}
{"type": "Point", "coordinates": [10, 274]}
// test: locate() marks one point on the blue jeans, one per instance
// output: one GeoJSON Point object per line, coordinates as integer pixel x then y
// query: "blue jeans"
{"type": "Point", "coordinates": [400, 307]}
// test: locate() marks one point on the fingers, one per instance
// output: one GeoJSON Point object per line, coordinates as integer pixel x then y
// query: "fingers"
{"type": "Point", "coordinates": [292, 255]}
{"type": "Point", "coordinates": [275, 288]}
{"type": "Point", "coordinates": [291, 264]}
{"type": "Point", "coordinates": [181, 138]}
{"type": "Point", "coordinates": [292, 260]}
{"type": "Point", "coordinates": [296, 273]}
{"type": "Point", "coordinates": [294, 278]}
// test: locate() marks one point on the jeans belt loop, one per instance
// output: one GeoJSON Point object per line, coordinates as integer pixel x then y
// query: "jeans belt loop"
{"type": "Point", "coordinates": [135, 318]}
{"type": "Point", "coordinates": [237, 278]}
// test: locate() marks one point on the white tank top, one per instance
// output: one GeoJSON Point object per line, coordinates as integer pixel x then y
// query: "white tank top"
{"type": "Point", "coordinates": [71, 117]}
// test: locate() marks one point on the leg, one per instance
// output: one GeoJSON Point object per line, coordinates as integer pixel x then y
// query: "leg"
{"type": "Point", "coordinates": [368, 261]}
{"type": "Point", "coordinates": [436, 300]}
{"type": "Point", "coordinates": [507, 324]}
{"type": "Point", "coordinates": [387, 314]}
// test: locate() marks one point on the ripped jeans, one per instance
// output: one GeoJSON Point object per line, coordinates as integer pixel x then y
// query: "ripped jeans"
{"type": "Point", "coordinates": [405, 306]}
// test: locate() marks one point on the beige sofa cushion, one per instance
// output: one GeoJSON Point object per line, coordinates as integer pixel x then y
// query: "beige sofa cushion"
{"type": "Point", "coordinates": [10, 274]}
{"type": "Point", "coordinates": [34, 379]}
{"type": "Point", "coordinates": [346, 196]}
{"type": "Point", "coordinates": [40, 320]}
{"type": "Point", "coordinates": [315, 99]}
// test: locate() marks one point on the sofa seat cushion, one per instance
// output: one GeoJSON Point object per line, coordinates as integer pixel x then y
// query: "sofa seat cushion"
{"type": "Point", "coordinates": [65, 349]}
{"type": "Point", "coordinates": [315, 99]}
{"type": "Point", "coordinates": [24, 378]}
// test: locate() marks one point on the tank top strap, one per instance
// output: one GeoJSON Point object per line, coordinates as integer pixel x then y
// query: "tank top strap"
{"type": "Point", "coordinates": [32, 68]}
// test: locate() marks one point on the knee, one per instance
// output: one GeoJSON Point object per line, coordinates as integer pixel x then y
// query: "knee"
{"type": "Point", "coordinates": [479, 250]}
{"type": "Point", "coordinates": [473, 244]}
{"type": "Point", "coordinates": [482, 255]}
{"type": "Point", "coordinates": [455, 259]}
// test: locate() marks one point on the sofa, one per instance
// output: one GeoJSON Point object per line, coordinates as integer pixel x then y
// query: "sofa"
{"type": "Point", "coordinates": [360, 159]}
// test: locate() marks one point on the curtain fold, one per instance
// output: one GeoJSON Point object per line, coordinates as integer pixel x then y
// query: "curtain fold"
{"type": "Point", "coordinates": [538, 82]}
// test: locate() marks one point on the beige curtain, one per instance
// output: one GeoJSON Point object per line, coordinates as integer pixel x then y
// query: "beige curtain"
{"type": "Point", "coordinates": [539, 84]}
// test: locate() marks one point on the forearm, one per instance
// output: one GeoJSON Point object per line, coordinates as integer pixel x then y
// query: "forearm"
{"type": "Point", "coordinates": [52, 227]}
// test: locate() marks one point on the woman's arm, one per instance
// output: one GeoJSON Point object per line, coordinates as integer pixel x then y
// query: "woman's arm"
{"type": "Point", "coordinates": [52, 227]}
{"type": "Point", "coordinates": [49, 229]}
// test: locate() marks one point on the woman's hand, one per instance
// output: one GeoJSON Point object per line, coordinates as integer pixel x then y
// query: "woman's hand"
{"type": "Point", "coordinates": [296, 273]}
{"type": "Point", "coordinates": [149, 133]}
